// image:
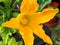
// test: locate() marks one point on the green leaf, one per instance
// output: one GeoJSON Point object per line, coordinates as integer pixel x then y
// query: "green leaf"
{"type": "Point", "coordinates": [13, 30]}
{"type": "Point", "coordinates": [1, 19]}
{"type": "Point", "coordinates": [58, 15]}
{"type": "Point", "coordinates": [15, 14]}
{"type": "Point", "coordinates": [5, 36]}
{"type": "Point", "coordinates": [2, 10]}
{"type": "Point", "coordinates": [7, 14]}
{"type": "Point", "coordinates": [7, 3]}
{"type": "Point", "coordinates": [17, 0]}
{"type": "Point", "coordinates": [1, 29]}
{"type": "Point", "coordinates": [19, 43]}
{"type": "Point", "coordinates": [43, 3]}
{"type": "Point", "coordinates": [1, 0]}
{"type": "Point", "coordinates": [12, 41]}
{"type": "Point", "coordinates": [1, 43]}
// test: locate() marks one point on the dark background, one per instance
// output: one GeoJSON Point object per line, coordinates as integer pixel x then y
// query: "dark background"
{"type": "Point", "coordinates": [57, 1]}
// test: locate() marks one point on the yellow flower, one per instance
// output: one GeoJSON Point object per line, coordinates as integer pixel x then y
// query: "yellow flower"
{"type": "Point", "coordinates": [27, 22]}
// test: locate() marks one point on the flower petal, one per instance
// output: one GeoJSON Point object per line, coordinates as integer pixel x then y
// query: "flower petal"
{"type": "Point", "coordinates": [47, 15]}
{"type": "Point", "coordinates": [27, 36]}
{"type": "Point", "coordinates": [35, 18]}
{"type": "Point", "coordinates": [44, 16]}
{"type": "Point", "coordinates": [41, 34]}
{"type": "Point", "coordinates": [29, 6]}
{"type": "Point", "coordinates": [11, 24]}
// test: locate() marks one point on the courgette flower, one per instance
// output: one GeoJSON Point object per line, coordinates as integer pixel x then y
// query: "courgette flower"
{"type": "Point", "coordinates": [30, 21]}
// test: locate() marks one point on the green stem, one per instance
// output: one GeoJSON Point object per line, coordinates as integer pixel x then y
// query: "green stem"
{"type": "Point", "coordinates": [14, 4]}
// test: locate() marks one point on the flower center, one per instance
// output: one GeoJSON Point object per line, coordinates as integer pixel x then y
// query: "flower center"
{"type": "Point", "coordinates": [24, 21]}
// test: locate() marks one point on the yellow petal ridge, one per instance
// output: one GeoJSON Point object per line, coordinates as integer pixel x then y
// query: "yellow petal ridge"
{"type": "Point", "coordinates": [41, 34]}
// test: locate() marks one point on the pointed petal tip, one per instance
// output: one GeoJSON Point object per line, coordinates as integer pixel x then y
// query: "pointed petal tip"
{"type": "Point", "coordinates": [51, 43]}
{"type": "Point", "coordinates": [4, 24]}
